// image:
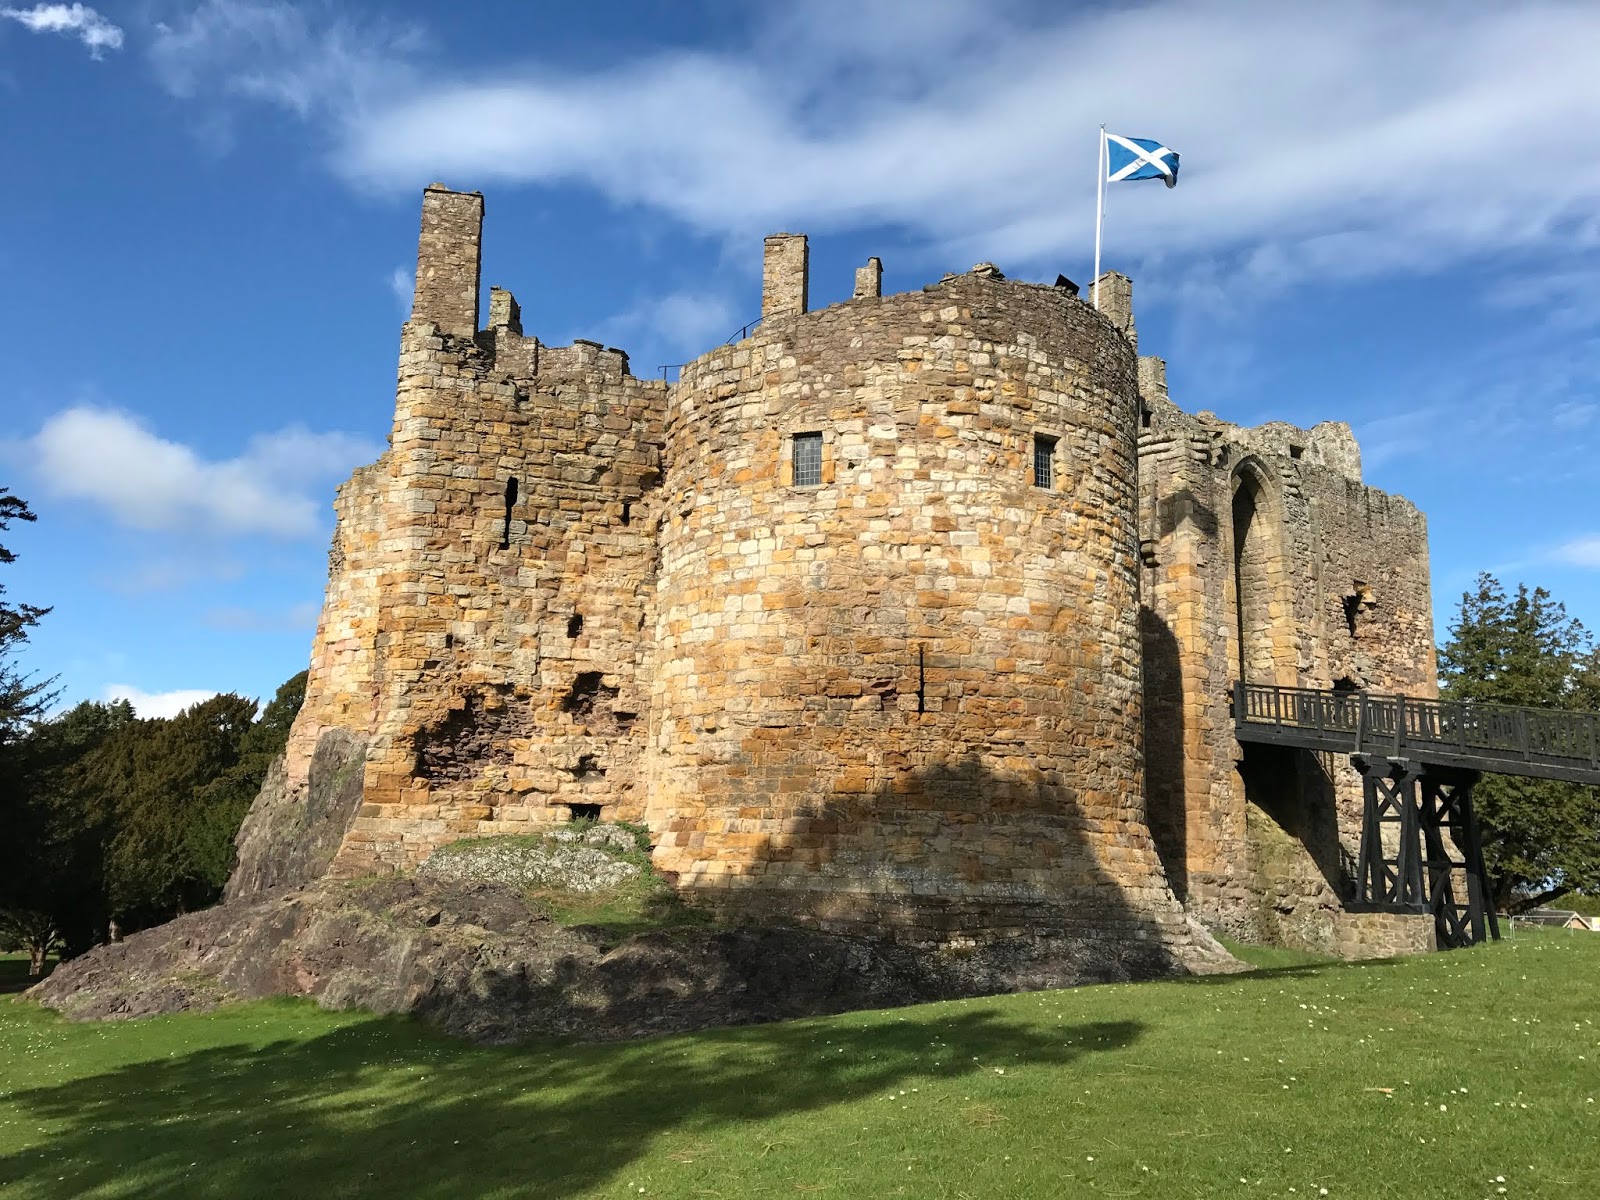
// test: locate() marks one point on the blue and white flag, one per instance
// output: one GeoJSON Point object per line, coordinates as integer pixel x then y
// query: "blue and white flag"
{"type": "Point", "coordinates": [1139, 158]}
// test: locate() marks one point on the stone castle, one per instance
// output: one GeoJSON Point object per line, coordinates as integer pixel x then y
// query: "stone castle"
{"type": "Point", "coordinates": [916, 615]}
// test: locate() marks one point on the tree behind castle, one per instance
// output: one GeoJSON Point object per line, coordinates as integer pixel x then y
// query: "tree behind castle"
{"type": "Point", "coordinates": [123, 823]}
{"type": "Point", "coordinates": [1541, 837]}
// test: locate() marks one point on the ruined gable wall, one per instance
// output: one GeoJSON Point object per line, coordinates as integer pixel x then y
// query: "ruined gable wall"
{"type": "Point", "coordinates": [908, 698]}
{"type": "Point", "coordinates": [495, 670]}
{"type": "Point", "coordinates": [516, 665]}
{"type": "Point", "coordinates": [1267, 851]}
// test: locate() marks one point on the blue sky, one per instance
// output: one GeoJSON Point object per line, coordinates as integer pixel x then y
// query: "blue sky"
{"type": "Point", "coordinates": [208, 220]}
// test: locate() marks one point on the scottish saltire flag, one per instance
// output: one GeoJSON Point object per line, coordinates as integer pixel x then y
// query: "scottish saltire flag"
{"type": "Point", "coordinates": [1139, 158]}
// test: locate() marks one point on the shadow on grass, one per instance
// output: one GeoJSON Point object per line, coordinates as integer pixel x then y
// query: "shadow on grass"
{"type": "Point", "coordinates": [386, 1108]}
{"type": "Point", "coordinates": [14, 975]}
{"type": "Point", "coordinates": [1289, 971]}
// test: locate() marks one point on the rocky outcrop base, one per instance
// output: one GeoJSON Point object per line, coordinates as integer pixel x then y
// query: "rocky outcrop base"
{"type": "Point", "coordinates": [480, 961]}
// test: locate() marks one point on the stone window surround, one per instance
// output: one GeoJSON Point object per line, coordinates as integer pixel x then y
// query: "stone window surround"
{"type": "Point", "coordinates": [1053, 439]}
{"type": "Point", "coordinates": [824, 462]}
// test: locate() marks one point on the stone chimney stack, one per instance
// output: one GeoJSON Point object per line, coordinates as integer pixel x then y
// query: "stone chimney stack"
{"type": "Point", "coordinates": [869, 280]}
{"type": "Point", "coordinates": [785, 271]}
{"type": "Point", "coordinates": [449, 254]}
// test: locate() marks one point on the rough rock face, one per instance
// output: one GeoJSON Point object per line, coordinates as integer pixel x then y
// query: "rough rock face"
{"type": "Point", "coordinates": [478, 960]}
{"type": "Point", "coordinates": [290, 836]}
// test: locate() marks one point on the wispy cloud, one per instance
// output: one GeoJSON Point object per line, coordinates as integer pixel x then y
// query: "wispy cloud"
{"type": "Point", "coordinates": [144, 481]}
{"type": "Point", "coordinates": [682, 322]}
{"type": "Point", "coordinates": [1397, 435]}
{"type": "Point", "coordinates": [156, 704]}
{"type": "Point", "coordinates": [403, 285]}
{"type": "Point", "coordinates": [1579, 552]}
{"type": "Point", "coordinates": [1383, 151]}
{"type": "Point", "coordinates": [234, 619]}
{"type": "Point", "coordinates": [305, 60]}
{"type": "Point", "coordinates": [170, 572]}
{"type": "Point", "coordinates": [75, 20]}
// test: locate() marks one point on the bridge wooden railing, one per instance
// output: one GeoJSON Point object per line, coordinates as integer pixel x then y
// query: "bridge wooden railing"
{"type": "Point", "coordinates": [1545, 743]}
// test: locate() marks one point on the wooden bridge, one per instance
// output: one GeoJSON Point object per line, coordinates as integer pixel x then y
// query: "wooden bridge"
{"type": "Point", "coordinates": [1419, 760]}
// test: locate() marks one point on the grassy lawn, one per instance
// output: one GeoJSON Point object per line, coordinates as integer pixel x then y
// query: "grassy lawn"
{"type": "Point", "coordinates": [1453, 1075]}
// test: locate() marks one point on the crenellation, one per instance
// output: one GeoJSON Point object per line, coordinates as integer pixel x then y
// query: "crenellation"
{"type": "Point", "coordinates": [915, 618]}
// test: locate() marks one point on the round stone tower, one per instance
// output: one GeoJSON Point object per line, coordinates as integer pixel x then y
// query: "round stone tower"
{"type": "Point", "coordinates": [897, 675]}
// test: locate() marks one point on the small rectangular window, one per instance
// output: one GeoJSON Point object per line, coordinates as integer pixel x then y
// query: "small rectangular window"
{"type": "Point", "coordinates": [807, 459]}
{"type": "Point", "coordinates": [1044, 461]}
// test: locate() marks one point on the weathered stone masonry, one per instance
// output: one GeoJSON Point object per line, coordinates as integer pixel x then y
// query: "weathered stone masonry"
{"type": "Point", "coordinates": [924, 696]}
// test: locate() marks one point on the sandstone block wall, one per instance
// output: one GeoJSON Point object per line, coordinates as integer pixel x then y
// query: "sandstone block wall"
{"type": "Point", "coordinates": [910, 693]}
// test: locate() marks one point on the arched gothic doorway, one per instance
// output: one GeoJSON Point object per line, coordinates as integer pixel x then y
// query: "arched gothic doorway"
{"type": "Point", "coordinates": [1261, 607]}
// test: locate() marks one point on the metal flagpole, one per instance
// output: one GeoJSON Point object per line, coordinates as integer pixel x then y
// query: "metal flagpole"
{"type": "Point", "coordinates": [1099, 210]}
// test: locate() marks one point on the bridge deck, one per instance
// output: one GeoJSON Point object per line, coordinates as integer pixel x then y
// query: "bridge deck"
{"type": "Point", "coordinates": [1539, 742]}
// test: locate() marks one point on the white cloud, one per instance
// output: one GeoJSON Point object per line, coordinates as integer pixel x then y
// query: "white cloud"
{"type": "Point", "coordinates": [76, 20]}
{"type": "Point", "coordinates": [156, 704]}
{"type": "Point", "coordinates": [146, 482]}
{"type": "Point", "coordinates": [1579, 552]}
{"type": "Point", "coordinates": [272, 51]}
{"type": "Point", "coordinates": [1347, 140]}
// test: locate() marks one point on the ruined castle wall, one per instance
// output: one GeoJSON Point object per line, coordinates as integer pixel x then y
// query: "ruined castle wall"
{"type": "Point", "coordinates": [1265, 554]}
{"type": "Point", "coordinates": [491, 577]}
{"type": "Point", "coordinates": [908, 696]}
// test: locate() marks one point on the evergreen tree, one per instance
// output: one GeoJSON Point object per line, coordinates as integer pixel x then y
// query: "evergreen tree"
{"type": "Point", "coordinates": [22, 701]}
{"type": "Point", "coordinates": [1541, 838]}
{"type": "Point", "coordinates": [114, 820]}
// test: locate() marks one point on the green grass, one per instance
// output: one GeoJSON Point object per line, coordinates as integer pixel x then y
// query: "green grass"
{"type": "Point", "coordinates": [1429, 1077]}
{"type": "Point", "coordinates": [1272, 957]}
{"type": "Point", "coordinates": [14, 973]}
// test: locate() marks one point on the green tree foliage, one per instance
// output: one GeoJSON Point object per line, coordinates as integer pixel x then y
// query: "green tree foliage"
{"type": "Point", "coordinates": [54, 864]}
{"type": "Point", "coordinates": [126, 821]}
{"type": "Point", "coordinates": [1541, 837]}
{"type": "Point", "coordinates": [21, 699]}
